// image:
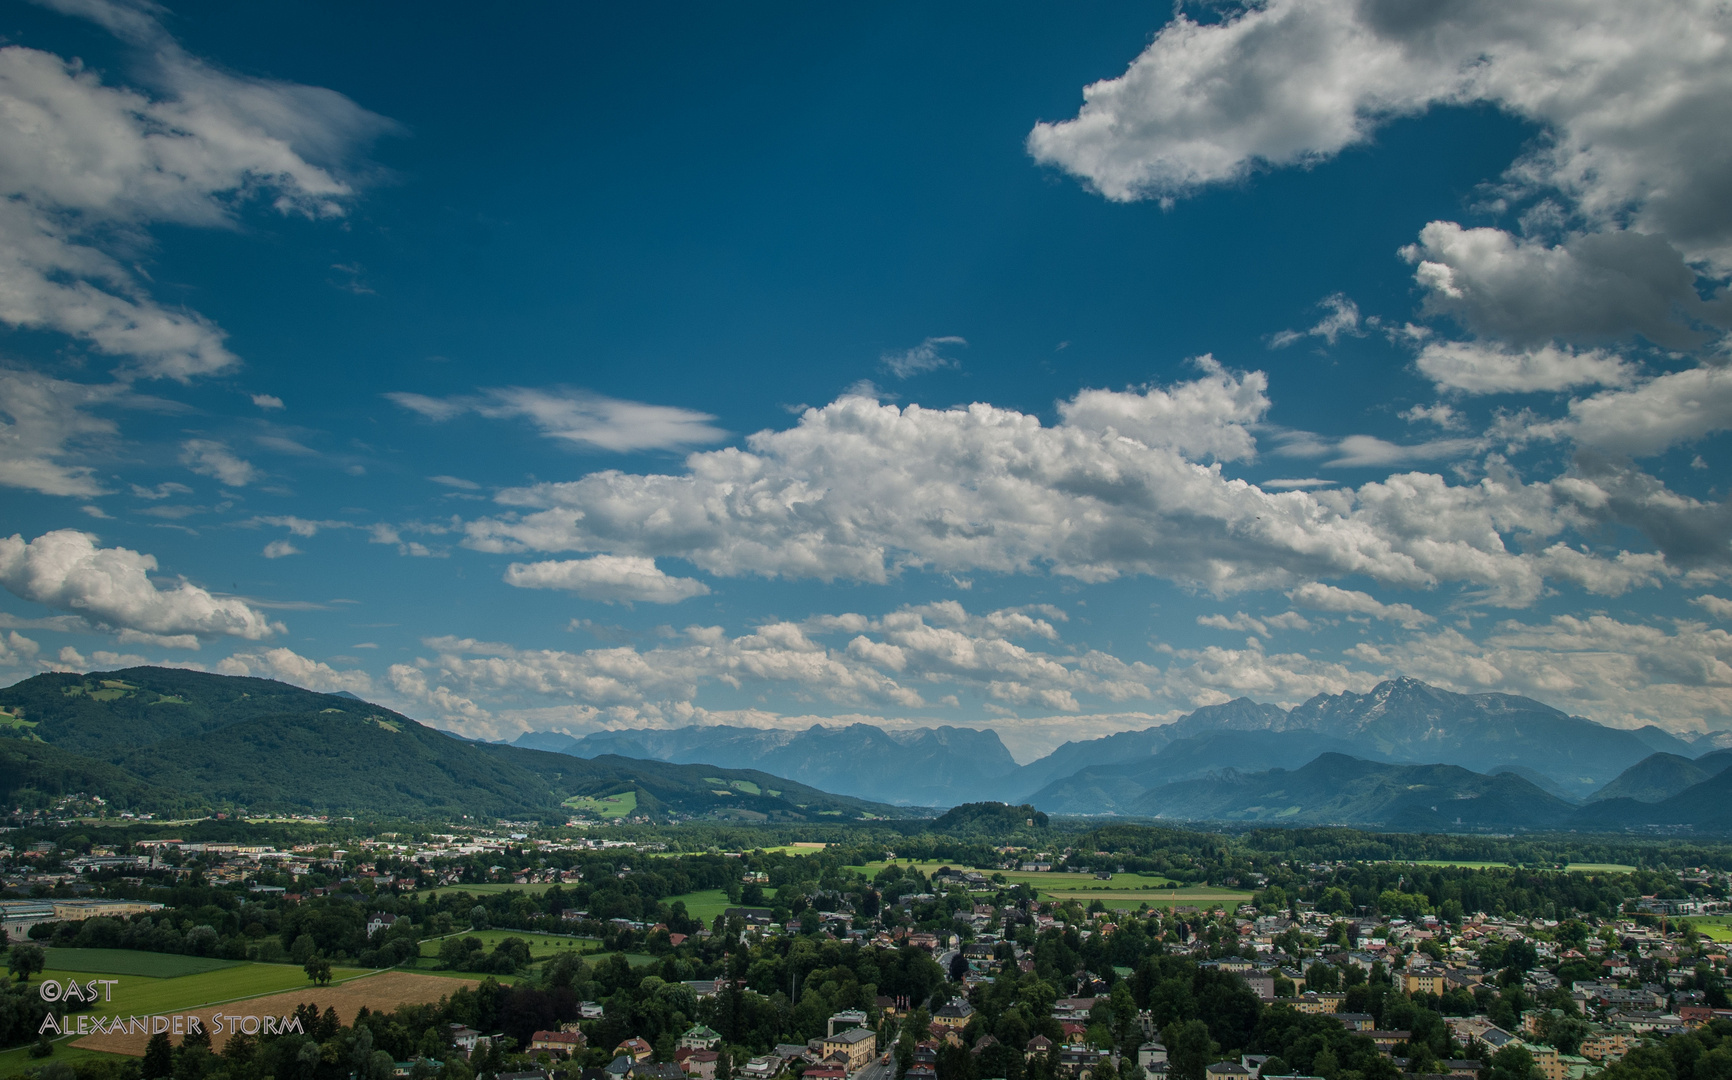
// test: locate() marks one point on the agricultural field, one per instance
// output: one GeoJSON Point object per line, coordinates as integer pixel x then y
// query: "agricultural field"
{"type": "Point", "coordinates": [273, 988]}
{"type": "Point", "coordinates": [146, 965]}
{"type": "Point", "coordinates": [541, 946]}
{"type": "Point", "coordinates": [1472, 864]}
{"type": "Point", "coordinates": [139, 995]}
{"type": "Point", "coordinates": [485, 888]}
{"type": "Point", "coordinates": [381, 991]}
{"type": "Point", "coordinates": [1125, 890]}
{"type": "Point", "coordinates": [1124, 900]}
{"type": "Point", "coordinates": [621, 805]}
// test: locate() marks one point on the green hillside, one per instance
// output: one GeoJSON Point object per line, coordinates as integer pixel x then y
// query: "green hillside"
{"type": "Point", "coordinates": [182, 742]}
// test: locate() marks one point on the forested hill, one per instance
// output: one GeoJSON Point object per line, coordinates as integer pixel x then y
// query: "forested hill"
{"type": "Point", "coordinates": [181, 742]}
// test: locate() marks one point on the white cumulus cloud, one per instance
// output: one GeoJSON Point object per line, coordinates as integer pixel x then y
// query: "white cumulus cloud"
{"type": "Point", "coordinates": [614, 578]}
{"type": "Point", "coordinates": [1617, 672]}
{"type": "Point", "coordinates": [66, 570]}
{"type": "Point", "coordinates": [862, 491]}
{"type": "Point", "coordinates": [291, 667]}
{"type": "Point", "coordinates": [1320, 597]}
{"type": "Point", "coordinates": [1488, 368]}
{"type": "Point", "coordinates": [1594, 287]}
{"type": "Point", "coordinates": [1717, 606]}
{"type": "Point", "coordinates": [1662, 412]}
{"type": "Point", "coordinates": [1632, 94]}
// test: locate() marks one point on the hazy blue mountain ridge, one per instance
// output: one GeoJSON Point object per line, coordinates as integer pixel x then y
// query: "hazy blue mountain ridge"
{"type": "Point", "coordinates": [940, 766]}
{"type": "Point", "coordinates": [1117, 788]}
{"type": "Point", "coordinates": [1399, 720]}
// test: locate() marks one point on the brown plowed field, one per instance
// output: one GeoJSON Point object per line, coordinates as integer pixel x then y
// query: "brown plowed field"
{"type": "Point", "coordinates": [380, 993]}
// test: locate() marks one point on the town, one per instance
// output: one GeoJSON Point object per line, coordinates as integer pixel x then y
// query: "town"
{"type": "Point", "coordinates": [556, 955]}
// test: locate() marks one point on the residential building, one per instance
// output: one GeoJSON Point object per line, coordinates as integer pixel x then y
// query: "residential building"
{"type": "Point", "coordinates": [857, 1045]}
{"type": "Point", "coordinates": [1425, 981]}
{"type": "Point", "coordinates": [567, 1042]}
{"type": "Point", "coordinates": [636, 1049]}
{"type": "Point", "coordinates": [954, 1015]}
{"type": "Point", "coordinates": [699, 1037]}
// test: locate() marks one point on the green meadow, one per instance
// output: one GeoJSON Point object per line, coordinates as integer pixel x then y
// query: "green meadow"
{"type": "Point", "coordinates": [485, 888]}
{"type": "Point", "coordinates": [129, 962]}
{"type": "Point", "coordinates": [706, 904]}
{"type": "Point", "coordinates": [541, 946]}
{"type": "Point", "coordinates": [1712, 927]}
{"type": "Point", "coordinates": [621, 805]}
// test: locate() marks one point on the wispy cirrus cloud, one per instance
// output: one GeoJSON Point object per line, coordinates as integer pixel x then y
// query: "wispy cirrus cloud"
{"type": "Point", "coordinates": [576, 416]}
{"type": "Point", "coordinates": [88, 162]}
{"type": "Point", "coordinates": [929, 355]}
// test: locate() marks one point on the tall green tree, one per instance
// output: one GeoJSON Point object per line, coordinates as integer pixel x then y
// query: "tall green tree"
{"type": "Point", "coordinates": [158, 1057]}
{"type": "Point", "coordinates": [26, 959]}
{"type": "Point", "coordinates": [1189, 1049]}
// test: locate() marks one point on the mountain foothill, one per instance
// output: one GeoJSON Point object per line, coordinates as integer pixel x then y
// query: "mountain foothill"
{"type": "Point", "coordinates": [1404, 756]}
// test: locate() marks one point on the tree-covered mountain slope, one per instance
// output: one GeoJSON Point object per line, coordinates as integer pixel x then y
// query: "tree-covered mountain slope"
{"type": "Point", "coordinates": [174, 741]}
{"type": "Point", "coordinates": [1335, 789]}
{"type": "Point", "coordinates": [1658, 777]}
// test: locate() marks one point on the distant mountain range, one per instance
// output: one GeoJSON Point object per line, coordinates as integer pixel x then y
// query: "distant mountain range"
{"type": "Point", "coordinates": [172, 741]}
{"type": "Point", "coordinates": [1398, 721]}
{"type": "Point", "coordinates": [1406, 756]}
{"type": "Point", "coordinates": [1401, 720]}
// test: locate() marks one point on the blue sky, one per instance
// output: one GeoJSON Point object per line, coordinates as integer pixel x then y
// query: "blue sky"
{"type": "Point", "coordinates": [565, 368]}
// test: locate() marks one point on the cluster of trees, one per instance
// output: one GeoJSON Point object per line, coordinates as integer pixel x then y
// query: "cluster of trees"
{"type": "Point", "coordinates": [1450, 891]}
{"type": "Point", "coordinates": [469, 953]}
